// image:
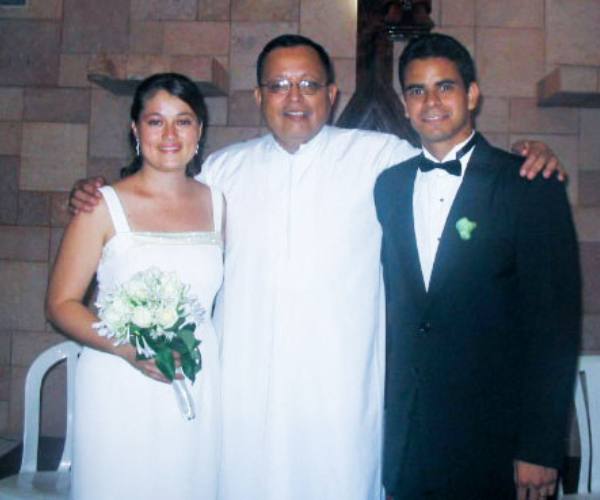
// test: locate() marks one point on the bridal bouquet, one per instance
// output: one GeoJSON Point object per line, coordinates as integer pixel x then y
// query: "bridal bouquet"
{"type": "Point", "coordinates": [154, 312]}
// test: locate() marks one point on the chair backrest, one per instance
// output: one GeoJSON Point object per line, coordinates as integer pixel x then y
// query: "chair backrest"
{"type": "Point", "coordinates": [68, 351]}
{"type": "Point", "coordinates": [587, 407]}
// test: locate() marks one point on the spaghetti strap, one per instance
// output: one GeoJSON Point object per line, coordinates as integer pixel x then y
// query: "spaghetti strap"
{"type": "Point", "coordinates": [217, 207]}
{"type": "Point", "coordinates": [115, 208]}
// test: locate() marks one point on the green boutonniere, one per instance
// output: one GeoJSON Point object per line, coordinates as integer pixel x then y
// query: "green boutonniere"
{"type": "Point", "coordinates": [465, 227]}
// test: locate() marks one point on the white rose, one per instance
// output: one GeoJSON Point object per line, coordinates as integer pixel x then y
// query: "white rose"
{"type": "Point", "coordinates": [142, 317]}
{"type": "Point", "coordinates": [166, 317]}
{"type": "Point", "coordinates": [170, 287]}
{"type": "Point", "coordinates": [136, 288]}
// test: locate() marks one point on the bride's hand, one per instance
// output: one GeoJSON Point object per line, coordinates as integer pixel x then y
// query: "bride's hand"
{"type": "Point", "coordinates": [146, 366]}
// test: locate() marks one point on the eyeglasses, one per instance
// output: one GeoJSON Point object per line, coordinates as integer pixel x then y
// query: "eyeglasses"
{"type": "Point", "coordinates": [305, 87]}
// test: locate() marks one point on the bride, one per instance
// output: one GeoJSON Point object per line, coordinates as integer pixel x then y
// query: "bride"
{"type": "Point", "coordinates": [131, 440]}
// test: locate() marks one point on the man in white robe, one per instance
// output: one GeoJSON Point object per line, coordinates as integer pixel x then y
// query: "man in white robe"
{"type": "Point", "coordinates": [302, 308]}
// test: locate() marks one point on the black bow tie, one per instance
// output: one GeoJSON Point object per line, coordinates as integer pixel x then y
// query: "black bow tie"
{"type": "Point", "coordinates": [453, 167]}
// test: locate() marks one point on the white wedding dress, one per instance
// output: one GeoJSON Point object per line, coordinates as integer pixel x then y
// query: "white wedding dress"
{"type": "Point", "coordinates": [130, 440]}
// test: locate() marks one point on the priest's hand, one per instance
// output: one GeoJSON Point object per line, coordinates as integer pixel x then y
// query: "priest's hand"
{"type": "Point", "coordinates": [538, 158]}
{"type": "Point", "coordinates": [85, 195]}
{"type": "Point", "coordinates": [534, 482]}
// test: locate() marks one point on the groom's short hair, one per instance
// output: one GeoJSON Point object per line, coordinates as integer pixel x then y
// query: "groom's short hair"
{"type": "Point", "coordinates": [438, 45]}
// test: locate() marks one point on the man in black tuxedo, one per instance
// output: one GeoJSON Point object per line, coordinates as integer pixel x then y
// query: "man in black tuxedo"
{"type": "Point", "coordinates": [483, 301]}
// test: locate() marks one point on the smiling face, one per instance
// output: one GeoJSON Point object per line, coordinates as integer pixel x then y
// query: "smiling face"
{"type": "Point", "coordinates": [437, 103]}
{"type": "Point", "coordinates": [295, 118]}
{"type": "Point", "coordinates": [168, 131]}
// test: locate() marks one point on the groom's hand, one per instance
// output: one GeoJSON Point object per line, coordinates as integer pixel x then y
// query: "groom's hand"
{"type": "Point", "coordinates": [85, 195]}
{"type": "Point", "coordinates": [533, 481]}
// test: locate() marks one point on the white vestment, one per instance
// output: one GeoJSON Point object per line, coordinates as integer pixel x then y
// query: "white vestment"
{"type": "Point", "coordinates": [302, 316]}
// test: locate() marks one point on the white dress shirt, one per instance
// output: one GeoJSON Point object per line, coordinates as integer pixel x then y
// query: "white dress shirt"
{"type": "Point", "coordinates": [433, 195]}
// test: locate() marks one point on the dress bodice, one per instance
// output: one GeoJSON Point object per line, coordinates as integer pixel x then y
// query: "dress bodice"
{"type": "Point", "coordinates": [195, 256]}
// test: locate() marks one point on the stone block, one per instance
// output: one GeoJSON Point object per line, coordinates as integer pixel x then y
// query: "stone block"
{"type": "Point", "coordinates": [31, 50]}
{"type": "Point", "coordinates": [9, 189]}
{"type": "Point", "coordinates": [24, 243]}
{"type": "Point", "coordinates": [140, 66]}
{"type": "Point", "coordinates": [56, 235]}
{"type": "Point", "coordinates": [589, 189]}
{"type": "Point", "coordinates": [527, 117]}
{"type": "Point", "coordinates": [5, 341]}
{"type": "Point", "coordinates": [458, 13]}
{"type": "Point", "coordinates": [34, 9]}
{"type": "Point", "coordinates": [15, 408]}
{"type": "Point", "coordinates": [243, 110]}
{"type": "Point", "coordinates": [196, 38]}
{"type": "Point", "coordinates": [586, 220]}
{"type": "Point", "coordinates": [109, 168]}
{"type": "Point", "coordinates": [57, 105]}
{"type": "Point", "coordinates": [572, 32]}
{"type": "Point", "coordinates": [90, 26]}
{"type": "Point", "coordinates": [493, 115]}
{"type": "Point", "coordinates": [73, 70]}
{"type": "Point", "coordinates": [332, 23]}
{"type": "Point", "coordinates": [590, 263]}
{"type": "Point", "coordinates": [27, 346]}
{"type": "Point", "coordinates": [11, 104]}
{"type": "Point", "coordinates": [4, 428]}
{"type": "Point", "coordinates": [53, 156]}
{"type": "Point", "coordinates": [22, 295]}
{"type": "Point", "coordinates": [498, 139]}
{"type": "Point", "coordinates": [202, 69]}
{"type": "Point", "coordinates": [59, 212]}
{"type": "Point", "coordinates": [34, 208]}
{"type": "Point", "coordinates": [265, 10]}
{"type": "Point", "coordinates": [146, 37]}
{"type": "Point", "coordinates": [10, 138]}
{"type": "Point", "coordinates": [464, 34]}
{"type": "Point", "coordinates": [209, 10]}
{"type": "Point", "coordinates": [219, 137]}
{"type": "Point", "coordinates": [247, 40]}
{"type": "Point", "coordinates": [510, 13]}
{"type": "Point", "coordinates": [109, 125]}
{"type": "Point", "coordinates": [589, 145]}
{"type": "Point", "coordinates": [5, 381]}
{"type": "Point", "coordinates": [509, 61]}
{"type": "Point", "coordinates": [591, 333]}
{"type": "Point", "coordinates": [217, 110]}
{"type": "Point", "coordinates": [572, 86]}
{"type": "Point", "coordinates": [158, 10]}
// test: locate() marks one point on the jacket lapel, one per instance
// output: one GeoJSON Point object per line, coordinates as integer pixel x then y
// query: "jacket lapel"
{"type": "Point", "coordinates": [403, 233]}
{"type": "Point", "coordinates": [470, 202]}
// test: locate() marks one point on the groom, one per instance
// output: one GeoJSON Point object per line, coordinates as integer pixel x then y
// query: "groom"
{"type": "Point", "coordinates": [482, 330]}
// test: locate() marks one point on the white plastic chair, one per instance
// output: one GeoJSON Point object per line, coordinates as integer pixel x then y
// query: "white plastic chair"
{"type": "Point", "coordinates": [30, 483]}
{"type": "Point", "coordinates": [587, 408]}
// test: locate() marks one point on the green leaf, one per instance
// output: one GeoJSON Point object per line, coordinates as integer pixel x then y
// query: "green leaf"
{"type": "Point", "coordinates": [166, 363]}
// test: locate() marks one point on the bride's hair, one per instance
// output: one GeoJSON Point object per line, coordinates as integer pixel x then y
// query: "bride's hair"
{"type": "Point", "coordinates": [179, 86]}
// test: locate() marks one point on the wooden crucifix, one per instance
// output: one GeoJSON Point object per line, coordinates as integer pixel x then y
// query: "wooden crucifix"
{"type": "Point", "coordinates": [375, 105]}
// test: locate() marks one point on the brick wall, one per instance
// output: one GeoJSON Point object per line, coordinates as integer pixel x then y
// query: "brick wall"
{"type": "Point", "coordinates": [56, 127]}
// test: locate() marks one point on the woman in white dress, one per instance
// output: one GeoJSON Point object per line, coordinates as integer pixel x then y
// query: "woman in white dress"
{"type": "Point", "coordinates": [131, 440]}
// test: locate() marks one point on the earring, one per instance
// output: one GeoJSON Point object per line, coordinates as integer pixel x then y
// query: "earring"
{"type": "Point", "coordinates": [197, 149]}
{"type": "Point", "coordinates": [137, 146]}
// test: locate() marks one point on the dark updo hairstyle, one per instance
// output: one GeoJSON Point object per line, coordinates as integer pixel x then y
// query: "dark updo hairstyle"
{"type": "Point", "coordinates": [179, 86]}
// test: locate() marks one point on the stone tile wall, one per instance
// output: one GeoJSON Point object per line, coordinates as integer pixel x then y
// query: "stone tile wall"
{"type": "Point", "coordinates": [55, 126]}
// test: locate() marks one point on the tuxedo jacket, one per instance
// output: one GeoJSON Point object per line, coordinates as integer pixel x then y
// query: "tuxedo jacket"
{"type": "Point", "coordinates": [479, 368]}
